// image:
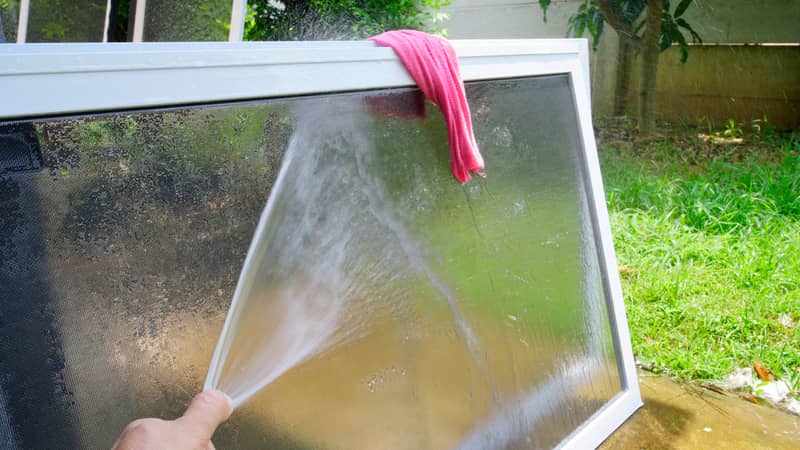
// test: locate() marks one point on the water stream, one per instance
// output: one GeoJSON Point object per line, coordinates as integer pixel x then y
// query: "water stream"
{"type": "Point", "coordinates": [377, 290]}
{"type": "Point", "coordinates": [326, 246]}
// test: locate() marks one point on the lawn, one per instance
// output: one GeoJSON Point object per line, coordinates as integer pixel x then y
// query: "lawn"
{"type": "Point", "coordinates": [707, 237]}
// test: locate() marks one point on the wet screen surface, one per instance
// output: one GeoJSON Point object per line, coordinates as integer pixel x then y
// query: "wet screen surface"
{"type": "Point", "coordinates": [402, 309]}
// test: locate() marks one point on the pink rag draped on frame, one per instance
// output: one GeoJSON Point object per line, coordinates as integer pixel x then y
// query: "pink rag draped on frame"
{"type": "Point", "coordinates": [432, 63]}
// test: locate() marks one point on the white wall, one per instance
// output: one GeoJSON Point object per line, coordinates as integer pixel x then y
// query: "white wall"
{"type": "Point", "coordinates": [510, 19]}
{"type": "Point", "coordinates": [717, 21]}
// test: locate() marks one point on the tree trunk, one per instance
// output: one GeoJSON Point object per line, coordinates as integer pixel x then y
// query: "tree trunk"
{"type": "Point", "coordinates": [622, 82]}
{"type": "Point", "coordinates": [647, 100]}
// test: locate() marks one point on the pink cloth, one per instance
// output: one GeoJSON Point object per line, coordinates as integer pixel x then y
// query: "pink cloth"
{"type": "Point", "coordinates": [433, 64]}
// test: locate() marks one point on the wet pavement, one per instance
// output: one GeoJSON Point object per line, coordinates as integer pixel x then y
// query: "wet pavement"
{"type": "Point", "coordinates": [678, 416]}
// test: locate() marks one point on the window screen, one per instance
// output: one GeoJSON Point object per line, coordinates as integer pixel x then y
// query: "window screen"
{"type": "Point", "coordinates": [192, 20]}
{"type": "Point", "coordinates": [8, 21]}
{"type": "Point", "coordinates": [72, 21]}
{"type": "Point", "coordinates": [120, 256]}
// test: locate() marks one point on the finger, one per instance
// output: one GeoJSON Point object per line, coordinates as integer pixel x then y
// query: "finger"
{"type": "Point", "coordinates": [207, 410]}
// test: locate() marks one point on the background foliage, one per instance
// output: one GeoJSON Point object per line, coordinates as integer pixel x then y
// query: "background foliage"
{"type": "Point", "coordinates": [706, 238]}
{"type": "Point", "coordinates": [294, 20]}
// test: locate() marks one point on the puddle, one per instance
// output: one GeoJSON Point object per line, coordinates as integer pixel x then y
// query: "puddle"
{"type": "Point", "coordinates": [678, 416]}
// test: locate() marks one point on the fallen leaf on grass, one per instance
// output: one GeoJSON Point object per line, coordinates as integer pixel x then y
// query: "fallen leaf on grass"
{"type": "Point", "coordinates": [763, 373]}
{"type": "Point", "coordinates": [750, 398]}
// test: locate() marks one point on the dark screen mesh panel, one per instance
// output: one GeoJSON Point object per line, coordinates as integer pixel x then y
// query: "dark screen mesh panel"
{"type": "Point", "coordinates": [19, 148]}
{"type": "Point", "coordinates": [8, 21]}
{"type": "Point", "coordinates": [119, 259]}
{"type": "Point", "coordinates": [187, 20]}
{"type": "Point", "coordinates": [66, 21]}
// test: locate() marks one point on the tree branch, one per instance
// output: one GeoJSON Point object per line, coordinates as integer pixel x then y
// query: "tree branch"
{"type": "Point", "coordinates": [622, 27]}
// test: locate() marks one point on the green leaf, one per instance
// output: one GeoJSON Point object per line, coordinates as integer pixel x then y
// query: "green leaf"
{"type": "Point", "coordinates": [682, 7]}
{"type": "Point", "coordinates": [666, 35]}
{"type": "Point", "coordinates": [666, 41]}
{"type": "Point", "coordinates": [580, 28]}
{"type": "Point", "coordinates": [632, 9]}
{"type": "Point", "coordinates": [544, 4]}
{"type": "Point", "coordinates": [695, 37]}
{"type": "Point", "coordinates": [598, 20]}
{"type": "Point", "coordinates": [576, 24]}
{"type": "Point", "coordinates": [678, 36]}
{"type": "Point", "coordinates": [591, 25]}
{"type": "Point", "coordinates": [684, 54]}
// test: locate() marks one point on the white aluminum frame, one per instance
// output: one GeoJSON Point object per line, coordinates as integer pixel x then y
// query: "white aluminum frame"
{"type": "Point", "coordinates": [22, 20]}
{"type": "Point", "coordinates": [238, 13]}
{"type": "Point", "coordinates": [58, 79]}
{"type": "Point", "coordinates": [137, 34]}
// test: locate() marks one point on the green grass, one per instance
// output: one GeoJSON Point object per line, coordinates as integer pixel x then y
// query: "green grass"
{"type": "Point", "coordinates": [709, 249]}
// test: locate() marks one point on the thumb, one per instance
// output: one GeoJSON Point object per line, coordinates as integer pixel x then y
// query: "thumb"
{"type": "Point", "coordinates": [206, 412]}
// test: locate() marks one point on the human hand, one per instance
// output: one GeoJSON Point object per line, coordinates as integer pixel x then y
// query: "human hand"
{"type": "Point", "coordinates": [192, 431]}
